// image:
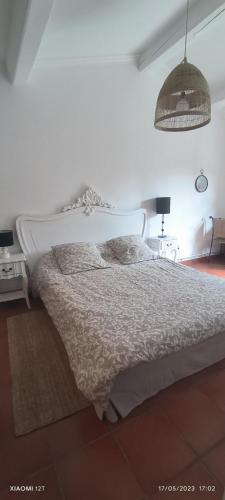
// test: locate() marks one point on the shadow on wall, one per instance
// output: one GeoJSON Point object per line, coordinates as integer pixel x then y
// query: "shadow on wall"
{"type": "Point", "coordinates": [150, 206]}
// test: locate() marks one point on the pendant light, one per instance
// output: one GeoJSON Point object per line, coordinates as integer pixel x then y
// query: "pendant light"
{"type": "Point", "coordinates": [184, 99]}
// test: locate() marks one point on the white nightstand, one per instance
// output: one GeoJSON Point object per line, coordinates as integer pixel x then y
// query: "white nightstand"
{"type": "Point", "coordinates": [165, 247]}
{"type": "Point", "coordinates": [13, 268]}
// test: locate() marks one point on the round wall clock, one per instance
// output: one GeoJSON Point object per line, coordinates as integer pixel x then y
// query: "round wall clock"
{"type": "Point", "coordinates": [201, 182]}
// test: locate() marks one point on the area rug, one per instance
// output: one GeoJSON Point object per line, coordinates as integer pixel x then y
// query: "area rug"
{"type": "Point", "coordinates": [43, 386]}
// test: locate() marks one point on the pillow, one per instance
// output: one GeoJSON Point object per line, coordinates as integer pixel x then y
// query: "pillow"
{"type": "Point", "coordinates": [107, 253]}
{"type": "Point", "coordinates": [131, 249]}
{"type": "Point", "coordinates": [75, 258]}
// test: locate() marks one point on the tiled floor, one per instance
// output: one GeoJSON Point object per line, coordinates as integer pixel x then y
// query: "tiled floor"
{"type": "Point", "coordinates": [175, 440]}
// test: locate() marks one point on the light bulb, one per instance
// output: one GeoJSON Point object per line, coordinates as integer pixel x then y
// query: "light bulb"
{"type": "Point", "coordinates": [182, 104]}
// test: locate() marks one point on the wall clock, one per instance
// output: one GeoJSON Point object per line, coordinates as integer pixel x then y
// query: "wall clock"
{"type": "Point", "coordinates": [201, 182]}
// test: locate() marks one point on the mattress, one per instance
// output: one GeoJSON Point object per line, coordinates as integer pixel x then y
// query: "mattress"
{"type": "Point", "coordinates": [133, 317]}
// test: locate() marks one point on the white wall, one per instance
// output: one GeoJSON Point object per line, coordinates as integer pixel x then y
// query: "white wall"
{"type": "Point", "coordinates": [93, 125]}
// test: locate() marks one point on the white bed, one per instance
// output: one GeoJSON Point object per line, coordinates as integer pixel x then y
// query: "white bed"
{"type": "Point", "coordinates": [134, 384]}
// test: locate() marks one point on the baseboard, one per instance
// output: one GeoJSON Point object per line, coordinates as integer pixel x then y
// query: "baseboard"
{"type": "Point", "coordinates": [199, 257]}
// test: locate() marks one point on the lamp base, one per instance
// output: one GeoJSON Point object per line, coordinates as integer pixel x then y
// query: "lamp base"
{"type": "Point", "coordinates": [5, 253]}
{"type": "Point", "coordinates": [162, 235]}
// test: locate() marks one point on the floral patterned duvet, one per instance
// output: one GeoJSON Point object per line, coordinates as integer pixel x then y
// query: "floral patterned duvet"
{"type": "Point", "coordinates": [111, 319]}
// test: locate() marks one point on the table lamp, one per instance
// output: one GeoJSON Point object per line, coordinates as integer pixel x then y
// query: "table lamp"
{"type": "Point", "coordinates": [6, 240]}
{"type": "Point", "coordinates": [163, 207]}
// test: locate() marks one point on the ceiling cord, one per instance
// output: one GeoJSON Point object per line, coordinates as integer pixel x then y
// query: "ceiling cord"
{"type": "Point", "coordinates": [185, 46]}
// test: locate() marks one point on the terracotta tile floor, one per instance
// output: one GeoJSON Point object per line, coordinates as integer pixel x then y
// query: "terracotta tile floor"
{"type": "Point", "coordinates": [175, 439]}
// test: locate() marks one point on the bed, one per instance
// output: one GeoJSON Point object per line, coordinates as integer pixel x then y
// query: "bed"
{"type": "Point", "coordinates": [129, 330]}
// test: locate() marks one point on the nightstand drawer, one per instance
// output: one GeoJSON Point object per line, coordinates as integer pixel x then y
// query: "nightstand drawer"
{"type": "Point", "coordinates": [10, 270]}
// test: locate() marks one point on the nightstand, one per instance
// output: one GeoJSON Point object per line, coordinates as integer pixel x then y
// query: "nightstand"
{"type": "Point", "coordinates": [13, 268]}
{"type": "Point", "coordinates": [167, 247]}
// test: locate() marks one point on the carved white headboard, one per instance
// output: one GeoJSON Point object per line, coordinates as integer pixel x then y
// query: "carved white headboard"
{"type": "Point", "coordinates": [37, 234]}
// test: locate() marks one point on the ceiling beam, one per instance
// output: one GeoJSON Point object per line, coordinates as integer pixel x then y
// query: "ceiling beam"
{"type": "Point", "coordinates": [28, 23]}
{"type": "Point", "coordinates": [200, 15]}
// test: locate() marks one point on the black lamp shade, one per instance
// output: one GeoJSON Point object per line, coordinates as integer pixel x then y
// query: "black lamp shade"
{"type": "Point", "coordinates": [163, 205]}
{"type": "Point", "coordinates": [6, 238]}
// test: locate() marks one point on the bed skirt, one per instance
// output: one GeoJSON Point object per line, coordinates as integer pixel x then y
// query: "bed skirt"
{"type": "Point", "coordinates": [135, 385]}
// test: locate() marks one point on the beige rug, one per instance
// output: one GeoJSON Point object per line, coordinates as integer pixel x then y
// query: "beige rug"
{"type": "Point", "coordinates": [43, 387]}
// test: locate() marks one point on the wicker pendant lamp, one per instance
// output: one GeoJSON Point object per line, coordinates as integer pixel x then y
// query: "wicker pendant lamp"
{"type": "Point", "coordinates": [184, 99]}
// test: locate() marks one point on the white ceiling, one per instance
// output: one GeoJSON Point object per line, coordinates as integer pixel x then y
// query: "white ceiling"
{"type": "Point", "coordinates": [149, 31]}
{"type": "Point", "coordinates": [207, 51]}
{"type": "Point", "coordinates": [96, 28]}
